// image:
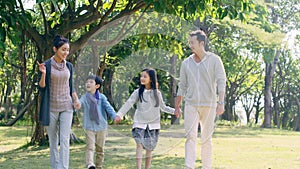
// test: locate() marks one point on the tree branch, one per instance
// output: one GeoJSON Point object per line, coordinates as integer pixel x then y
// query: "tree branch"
{"type": "Point", "coordinates": [44, 18]}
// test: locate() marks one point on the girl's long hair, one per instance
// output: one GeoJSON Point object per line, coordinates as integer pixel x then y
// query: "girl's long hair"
{"type": "Point", "coordinates": [153, 78]}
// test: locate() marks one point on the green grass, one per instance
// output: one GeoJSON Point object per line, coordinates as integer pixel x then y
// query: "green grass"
{"type": "Point", "coordinates": [233, 148]}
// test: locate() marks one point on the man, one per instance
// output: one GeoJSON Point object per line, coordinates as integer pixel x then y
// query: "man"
{"type": "Point", "coordinates": [202, 85]}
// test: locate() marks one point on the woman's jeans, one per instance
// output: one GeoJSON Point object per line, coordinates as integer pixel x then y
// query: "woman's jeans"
{"type": "Point", "coordinates": [59, 131]}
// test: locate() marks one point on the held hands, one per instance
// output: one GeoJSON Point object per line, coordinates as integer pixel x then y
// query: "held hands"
{"type": "Point", "coordinates": [42, 67]}
{"type": "Point", "coordinates": [117, 120]}
{"type": "Point", "coordinates": [77, 104]}
{"type": "Point", "coordinates": [177, 112]}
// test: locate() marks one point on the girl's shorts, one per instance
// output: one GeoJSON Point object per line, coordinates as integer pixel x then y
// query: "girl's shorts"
{"type": "Point", "coordinates": [148, 138]}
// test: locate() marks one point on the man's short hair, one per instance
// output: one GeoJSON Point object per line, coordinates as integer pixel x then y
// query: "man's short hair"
{"type": "Point", "coordinates": [201, 36]}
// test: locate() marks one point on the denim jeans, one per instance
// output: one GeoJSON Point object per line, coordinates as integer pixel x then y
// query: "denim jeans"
{"type": "Point", "coordinates": [60, 129]}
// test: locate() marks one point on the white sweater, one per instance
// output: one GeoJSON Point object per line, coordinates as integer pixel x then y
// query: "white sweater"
{"type": "Point", "coordinates": [146, 113]}
{"type": "Point", "coordinates": [200, 82]}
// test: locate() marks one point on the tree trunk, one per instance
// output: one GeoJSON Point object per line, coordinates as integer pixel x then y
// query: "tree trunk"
{"type": "Point", "coordinates": [173, 87]}
{"type": "Point", "coordinates": [270, 70]}
{"type": "Point", "coordinates": [38, 136]}
{"type": "Point", "coordinates": [230, 102]}
{"type": "Point", "coordinates": [268, 97]}
{"type": "Point", "coordinates": [276, 112]}
{"type": "Point", "coordinates": [23, 70]}
{"type": "Point", "coordinates": [108, 74]}
{"type": "Point", "coordinates": [297, 123]}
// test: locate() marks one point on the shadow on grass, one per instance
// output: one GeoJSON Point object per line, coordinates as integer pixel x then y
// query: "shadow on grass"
{"type": "Point", "coordinates": [158, 162]}
{"type": "Point", "coordinates": [25, 148]}
{"type": "Point", "coordinates": [17, 131]}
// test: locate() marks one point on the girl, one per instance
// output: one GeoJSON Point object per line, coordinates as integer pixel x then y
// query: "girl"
{"type": "Point", "coordinates": [56, 107]}
{"type": "Point", "coordinates": [146, 123]}
{"type": "Point", "coordinates": [96, 107]}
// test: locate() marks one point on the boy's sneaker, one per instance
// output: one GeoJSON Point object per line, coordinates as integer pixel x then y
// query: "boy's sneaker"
{"type": "Point", "coordinates": [91, 166]}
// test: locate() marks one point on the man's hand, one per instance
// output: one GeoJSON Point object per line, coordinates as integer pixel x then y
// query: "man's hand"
{"type": "Point", "coordinates": [177, 112]}
{"type": "Point", "coordinates": [220, 109]}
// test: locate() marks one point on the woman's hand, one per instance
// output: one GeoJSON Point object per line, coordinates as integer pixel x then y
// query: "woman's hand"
{"type": "Point", "coordinates": [77, 104]}
{"type": "Point", "coordinates": [42, 67]}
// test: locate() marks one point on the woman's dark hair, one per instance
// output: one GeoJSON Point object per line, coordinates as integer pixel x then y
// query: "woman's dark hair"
{"type": "Point", "coordinates": [153, 78]}
{"type": "Point", "coordinates": [97, 79]}
{"type": "Point", "coordinates": [59, 41]}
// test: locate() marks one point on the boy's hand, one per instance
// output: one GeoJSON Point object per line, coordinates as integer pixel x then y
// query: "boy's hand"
{"type": "Point", "coordinates": [77, 105]}
{"type": "Point", "coordinates": [117, 119]}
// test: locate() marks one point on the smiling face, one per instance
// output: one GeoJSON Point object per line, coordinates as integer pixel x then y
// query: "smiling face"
{"type": "Point", "coordinates": [62, 52]}
{"type": "Point", "coordinates": [195, 45]}
{"type": "Point", "coordinates": [91, 86]}
{"type": "Point", "coordinates": [145, 79]}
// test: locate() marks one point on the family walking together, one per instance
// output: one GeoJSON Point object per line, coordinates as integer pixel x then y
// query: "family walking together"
{"type": "Point", "coordinates": [201, 86]}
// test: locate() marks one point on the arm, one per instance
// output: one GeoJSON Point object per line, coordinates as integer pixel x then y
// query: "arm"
{"type": "Point", "coordinates": [42, 69]}
{"type": "Point", "coordinates": [75, 97]}
{"type": "Point", "coordinates": [163, 106]}
{"type": "Point", "coordinates": [177, 112]}
{"type": "Point", "coordinates": [77, 105]}
{"type": "Point", "coordinates": [221, 86]}
{"type": "Point", "coordinates": [76, 101]}
{"type": "Point", "coordinates": [108, 108]}
{"type": "Point", "coordinates": [128, 104]}
{"type": "Point", "coordinates": [182, 86]}
{"type": "Point", "coordinates": [221, 103]}
{"type": "Point", "coordinates": [125, 108]}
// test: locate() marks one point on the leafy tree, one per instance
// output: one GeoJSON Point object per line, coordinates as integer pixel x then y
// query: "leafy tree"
{"type": "Point", "coordinates": [285, 15]}
{"type": "Point", "coordinates": [80, 20]}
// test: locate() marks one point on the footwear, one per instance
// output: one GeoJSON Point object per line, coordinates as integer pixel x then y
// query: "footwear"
{"type": "Point", "coordinates": [91, 166]}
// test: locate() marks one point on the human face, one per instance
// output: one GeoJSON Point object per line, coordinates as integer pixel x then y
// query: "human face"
{"type": "Point", "coordinates": [62, 52]}
{"type": "Point", "coordinates": [91, 86]}
{"type": "Point", "coordinates": [145, 80]}
{"type": "Point", "coordinates": [195, 45]}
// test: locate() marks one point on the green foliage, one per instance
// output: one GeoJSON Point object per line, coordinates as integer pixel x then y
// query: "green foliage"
{"type": "Point", "coordinates": [194, 8]}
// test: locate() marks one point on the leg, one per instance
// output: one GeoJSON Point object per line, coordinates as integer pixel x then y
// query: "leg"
{"type": "Point", "coordinates": [191, 121]}
{"type": "Point", "coordinates": [52, 131]}
{"type": "Point", "coordinates": [207, 117]}
{"type": "Point", "coordinates": [100, 141]}
{"type": "Point", "coordinates": [90, 147]}
{"type": "Point", "coordinates": [65, 122]}
{"type": "Point", "coordinates": [148, 159]}
{"type": "Point", "coordinates": [139, 155]}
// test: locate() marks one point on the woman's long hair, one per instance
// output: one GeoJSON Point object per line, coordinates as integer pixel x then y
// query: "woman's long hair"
{"type": "Point", "coordinates": [153, 78]}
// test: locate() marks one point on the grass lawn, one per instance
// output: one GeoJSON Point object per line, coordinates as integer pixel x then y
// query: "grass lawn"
{"type": "Point", "coordinates": [233, 148]}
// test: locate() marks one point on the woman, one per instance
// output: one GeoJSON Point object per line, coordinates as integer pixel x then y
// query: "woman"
{"type": "Point", "coordinates": [56, 107]}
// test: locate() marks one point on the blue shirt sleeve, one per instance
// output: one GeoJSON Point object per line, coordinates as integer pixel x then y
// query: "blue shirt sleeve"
{"type": "Point", "coordinates": [108, 108]}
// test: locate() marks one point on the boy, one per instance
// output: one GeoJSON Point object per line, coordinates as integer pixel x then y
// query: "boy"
{"type": "Point", "coordinates": [96, 107]}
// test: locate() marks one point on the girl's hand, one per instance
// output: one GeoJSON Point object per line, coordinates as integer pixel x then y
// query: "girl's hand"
{"type": "Point", "coordinates": [42, 67]}
{"type": "Point", "coordinates": [117, 119]}
{"type": "Point", "coordinates": [177, 112]}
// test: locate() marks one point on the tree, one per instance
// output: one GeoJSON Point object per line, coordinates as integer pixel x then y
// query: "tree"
{"type": "Point", "coordinates": [285, 14]}
{"type": "Point", "coordinates": [80, 20]}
